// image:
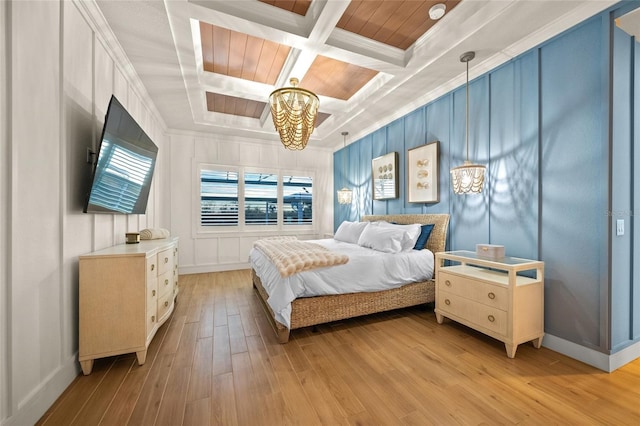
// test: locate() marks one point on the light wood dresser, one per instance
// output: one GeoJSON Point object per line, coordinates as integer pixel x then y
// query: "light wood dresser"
{"type": "Point", "coordinates": [126, 293]}
{"type": "Point", "coordinates": [492, 296]}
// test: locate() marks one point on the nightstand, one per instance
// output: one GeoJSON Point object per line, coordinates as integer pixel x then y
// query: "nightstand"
{"type": "Point", "coordinates": [492, 296]}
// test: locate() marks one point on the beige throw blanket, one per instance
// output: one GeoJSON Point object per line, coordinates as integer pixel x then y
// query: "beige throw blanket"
{"type": "Point", "coordinates": [291, 256]}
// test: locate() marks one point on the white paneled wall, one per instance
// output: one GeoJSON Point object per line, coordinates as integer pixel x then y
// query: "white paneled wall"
{"type": "Point", "coordinates": [61, 74]}
{"type": "Point", "coordinates": [4, 214]}
{"type": "Point", "coordinates": [224, 250]}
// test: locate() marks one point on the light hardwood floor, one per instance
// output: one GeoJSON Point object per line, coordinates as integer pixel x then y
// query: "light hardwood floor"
{"type": "Point", "coordinates": [216, 362]}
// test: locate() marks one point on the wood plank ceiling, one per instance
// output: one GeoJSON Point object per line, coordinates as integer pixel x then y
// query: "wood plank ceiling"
{"type": "Point", "coordinates": [233, 54]}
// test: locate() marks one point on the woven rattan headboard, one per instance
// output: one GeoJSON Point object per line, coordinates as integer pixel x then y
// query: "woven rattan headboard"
{"type": "Point", "coordinates": [437, 239]}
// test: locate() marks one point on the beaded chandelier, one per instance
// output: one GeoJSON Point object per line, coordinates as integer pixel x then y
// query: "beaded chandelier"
{"type": "Point", "coordinates": [294, 111]}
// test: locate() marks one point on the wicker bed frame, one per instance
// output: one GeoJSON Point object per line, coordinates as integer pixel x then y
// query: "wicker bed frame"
{"type": "Point", "coordinates": [308, 311]}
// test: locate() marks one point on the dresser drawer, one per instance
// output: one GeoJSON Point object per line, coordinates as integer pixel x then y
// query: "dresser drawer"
{"type": "Point", "coordinates": [476, 313]}
{"type": "Point", "coordinates": [152, 266]}
{"type": "Point", "coordinates": [165, 261]}
{"type": "Point", "coordinates": [164, 304]}
{"type": "Point", "coordinates": [165, 283]}
{"type": "Point", "coordinates": [487, 294]}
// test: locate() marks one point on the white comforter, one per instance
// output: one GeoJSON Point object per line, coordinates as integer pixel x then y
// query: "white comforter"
{"type": "Point", "coordinates": [367, 270]}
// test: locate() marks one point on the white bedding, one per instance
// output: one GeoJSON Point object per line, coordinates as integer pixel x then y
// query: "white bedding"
{"type": "Point", "coordinates": [367, 270]}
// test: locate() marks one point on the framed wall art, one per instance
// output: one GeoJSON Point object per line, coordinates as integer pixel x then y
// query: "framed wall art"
{"type": "Point", "coordinates": [385, 176]}
{"type": "Point", "coordinates": [422, 174]}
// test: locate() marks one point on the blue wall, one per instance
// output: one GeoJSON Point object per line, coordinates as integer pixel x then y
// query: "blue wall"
{"type": "Point", "coordinates": [625, 193]}
{"type": "Point", "coordinates": [542, 125]}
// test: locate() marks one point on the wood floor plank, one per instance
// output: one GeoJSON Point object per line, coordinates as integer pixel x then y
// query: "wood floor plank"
{"type": "Point", "coordinates": [327, 408]}
{"type": "Point", "coordinates": [246, 397]}
{"type": "Point", "coordinates": [97, 404]}
{"type": "Point", "coordinates": [224, 410]}
{"type": "Point", "coordinates": [333, 379]}
{"type": "Point", "coordinates": [174, 399]}
{"type": "Point", "coordinates": [206, 320]}
{"type": "Point", "coordinates": [146, 408]}
{"type": "Point", "coordinates": [219, 312]}
{"type": "Point", "coordinates": [216, 361]}
{"type": "Point", "coordinates": [200, 382]}
{"type": "Point", "coordinates": [237, 341]}
{"type": "Point", "coordinates": [76, 396]}
{"type": "Point", "coordinates": [300, 408]}
{"type": "Point", "coordinates": [124, 402]}
{"type": "Point", "coordinates": [174, 333]}
{"type": "Point", "coordinates": [221, 351]}
{"type": "Point", "coordinates": [198, 412]}
{"type": "Point", "coordinates": [187, 346]}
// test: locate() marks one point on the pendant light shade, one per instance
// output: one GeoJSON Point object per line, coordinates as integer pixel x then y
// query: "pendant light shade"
{"type": "Point", "coordinates": [345, 195]}
{"type": "Point", "coordinates": [294, 111]}
{"type": "Point", "coordinates": [468, 178]}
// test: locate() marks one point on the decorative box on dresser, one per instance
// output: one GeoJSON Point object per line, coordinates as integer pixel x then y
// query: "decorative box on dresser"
{"type": "Point", "coordinates": [492, 296]}
{"type": "Point", "coordinates": [126, 293]}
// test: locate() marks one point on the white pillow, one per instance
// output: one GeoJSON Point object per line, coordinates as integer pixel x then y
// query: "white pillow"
{"type": "Point", "coordinates": [413, 233]}
{"type": "Point", "coordinates": [349, 232]}
{"type": "Point", "coordinates": [387, 240]}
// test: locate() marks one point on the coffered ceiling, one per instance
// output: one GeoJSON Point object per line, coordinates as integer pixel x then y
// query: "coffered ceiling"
{"type": "Point", "coordinates": [210, 66]}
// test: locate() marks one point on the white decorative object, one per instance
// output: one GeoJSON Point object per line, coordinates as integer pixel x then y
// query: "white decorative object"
{"type": "Point", "coordinates": [422, 174]}
{"type": "Point", "coordinates": [491, 251]}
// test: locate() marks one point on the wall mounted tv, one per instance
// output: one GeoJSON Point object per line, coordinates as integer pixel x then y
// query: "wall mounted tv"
{"type": "Point", "coordinates": [124, 167]}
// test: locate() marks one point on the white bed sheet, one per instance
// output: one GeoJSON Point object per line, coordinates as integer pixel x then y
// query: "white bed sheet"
{"type": "Point", "coordinates": [367, 270]}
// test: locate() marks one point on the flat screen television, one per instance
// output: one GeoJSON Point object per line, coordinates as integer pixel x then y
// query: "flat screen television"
{"type": "Point", "coordinates": [123, 171]}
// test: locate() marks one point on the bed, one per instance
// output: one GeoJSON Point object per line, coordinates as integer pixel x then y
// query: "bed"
{"type": "Point", "coordinates": [309, 311]}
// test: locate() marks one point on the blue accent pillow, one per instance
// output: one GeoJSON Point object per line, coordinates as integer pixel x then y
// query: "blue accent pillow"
{"type": "Point", "coordinates": [425, 231]}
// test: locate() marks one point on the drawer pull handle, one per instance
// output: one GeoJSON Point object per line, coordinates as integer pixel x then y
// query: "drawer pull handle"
{"type": "Point", "coordinates": [153, 318]}
{"type": "Point", "coordinates": [448, 283]}
{"type": "Point", "coordinates": [153, 266]}
{"type": "Point", "coordinates": [491, 295]}
{"type": "Point", "coordinates": [491, 318]}
{"type": "Point", "coordinates": [153, 292]}
{"type": "Point", "coordinates": [447, 301]}
{"type": "Point", "coordinates": [166, 260]}
{"type": "Point", "coordinates": [166, 282]}
{"type": "Point", "coordinates": [166, 304]}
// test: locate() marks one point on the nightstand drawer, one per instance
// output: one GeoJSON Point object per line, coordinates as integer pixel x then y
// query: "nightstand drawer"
{"type": "Point", "coordinates": [473, 312]}
{"type": "Point", "coordinates": [487, 294]}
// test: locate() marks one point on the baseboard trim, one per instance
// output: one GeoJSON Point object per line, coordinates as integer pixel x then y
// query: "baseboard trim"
{"type": "Point", "coordinates": [33, 407]}
{"type": "Point", "coordinates": [592, 357]}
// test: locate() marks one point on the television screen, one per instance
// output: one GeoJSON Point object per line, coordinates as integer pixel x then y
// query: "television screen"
{"type": "Point", "coordinates": [124, 167]}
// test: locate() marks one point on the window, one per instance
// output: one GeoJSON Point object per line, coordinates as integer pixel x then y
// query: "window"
{"type": "Point", "coordinates": [218, 198]}
{"type": "Point", "coordinates": [260, 199]}
{"type": "Point", "coordinates": [242, 198]}
{"type": "Point", "coordinates": [297, 200]}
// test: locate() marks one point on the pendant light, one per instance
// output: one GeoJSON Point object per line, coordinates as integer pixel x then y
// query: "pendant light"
{"type": "Point", "coordinates": [468, 178]}
{"type": "Point", "coordinates": [294, 111]}
{"type": "Point", "coordinates": [345, 195]}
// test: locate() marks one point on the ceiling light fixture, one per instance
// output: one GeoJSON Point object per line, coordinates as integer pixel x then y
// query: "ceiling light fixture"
{"type": "Point", "coordinates": [345, 195]}
{"type": "Point", "coordinates": [294, 111]}
{"type": "Point", "coordinates": [468, 178]}
{"type": "Point", "coordinates": [437, 11]}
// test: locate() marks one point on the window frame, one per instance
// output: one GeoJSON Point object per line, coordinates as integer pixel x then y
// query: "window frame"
{"type": "Point", "coordinates": [205, 231]}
